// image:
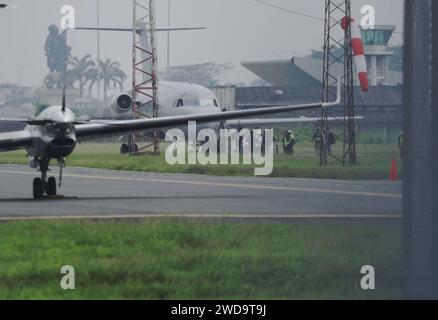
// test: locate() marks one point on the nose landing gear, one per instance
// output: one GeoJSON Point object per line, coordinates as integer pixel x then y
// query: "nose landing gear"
{"type": "Point", "coordinates": [45, 186]}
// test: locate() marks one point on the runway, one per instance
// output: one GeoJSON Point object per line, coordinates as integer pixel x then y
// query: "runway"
{"type": "Point", "coordinates": [95, 193]}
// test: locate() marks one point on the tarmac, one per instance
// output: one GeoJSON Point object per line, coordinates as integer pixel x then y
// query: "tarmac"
{"type": "Point", "coordinates": [98, 194]}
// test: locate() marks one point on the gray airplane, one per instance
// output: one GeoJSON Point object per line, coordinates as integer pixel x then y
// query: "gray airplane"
{"type": "Point", "coordinates": [55, 132]}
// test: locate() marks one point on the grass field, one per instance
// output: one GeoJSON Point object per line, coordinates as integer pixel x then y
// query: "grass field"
{"type": "Point", "coordinates": [195, 260]}
{"type": "Point", "coordinates": [373, 162]}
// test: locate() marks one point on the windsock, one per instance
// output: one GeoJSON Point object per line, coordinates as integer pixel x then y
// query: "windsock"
{"type": "Point", "coordinates": [358, 52]}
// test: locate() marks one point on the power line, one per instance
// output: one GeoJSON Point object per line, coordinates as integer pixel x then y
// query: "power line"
{"type": "Point", "coordinates": [288, 10]}
{"type": "Point", "coordinates": [299, 13]}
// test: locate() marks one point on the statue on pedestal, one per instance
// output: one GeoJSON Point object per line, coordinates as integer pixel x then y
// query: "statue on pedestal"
{"type": "Point", "coordinates": [58, 54]}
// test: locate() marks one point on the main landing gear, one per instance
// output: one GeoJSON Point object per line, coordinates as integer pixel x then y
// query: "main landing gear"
{"type": "Point", "coordinates": [129, 147]}
{"type": "Point", "coordinates": [126, 148]}
{"type": "Point", "coordinates": [45, 186]}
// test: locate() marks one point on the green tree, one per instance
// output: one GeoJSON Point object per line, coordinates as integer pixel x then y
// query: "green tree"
{"type": "Point", "coordinates": [57, 80]}
{"type": "Point", "coordinates": [110, 74]}
{"type": "Point", "coordinates": [83, 70]}
{"type": "Point", "coordinates": [203, 74]}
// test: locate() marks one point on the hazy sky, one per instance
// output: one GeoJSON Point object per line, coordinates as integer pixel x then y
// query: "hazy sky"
{"type": "Point", "coordinates": [237, 30]}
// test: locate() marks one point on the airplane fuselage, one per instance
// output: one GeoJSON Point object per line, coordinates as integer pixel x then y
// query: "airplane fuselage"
{"type": "Point", "coordinates": [53, 140]}
{"type": "Point", "coordinates": [182, 99]}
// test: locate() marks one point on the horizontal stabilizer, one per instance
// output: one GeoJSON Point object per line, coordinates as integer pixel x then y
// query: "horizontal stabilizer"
{"type": "Point", "coordinates": [139, 30]}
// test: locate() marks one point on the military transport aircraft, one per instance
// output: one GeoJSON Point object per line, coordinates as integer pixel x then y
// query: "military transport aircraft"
{"type": "Point", "coordinates": [54, 133]}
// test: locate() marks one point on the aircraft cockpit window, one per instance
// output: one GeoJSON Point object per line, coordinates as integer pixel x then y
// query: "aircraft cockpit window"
{"type": "Point", "coordinates": [189, 102]}
{"type": "Point", "coordinates": [208, 102]}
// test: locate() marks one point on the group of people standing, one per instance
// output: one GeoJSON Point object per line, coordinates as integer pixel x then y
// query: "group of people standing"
{"type": "Point", "coordinates": [323, 139]}
{"type": "Point", "coordinates": [326, 139]}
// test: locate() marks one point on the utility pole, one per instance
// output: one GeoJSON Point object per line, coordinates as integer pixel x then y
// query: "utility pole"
{"type": "Point", "coordinates": [168, 34]}
{"type": "Point", "coordinates": [98, 51]}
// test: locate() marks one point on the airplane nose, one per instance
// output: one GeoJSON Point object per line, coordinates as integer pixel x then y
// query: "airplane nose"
{"type": "Point", "coordinates": [63, 125]}
{"type": "Point", "coordinates": [61, 147]}
{"type": "Point", "coordinates": [63, 142]}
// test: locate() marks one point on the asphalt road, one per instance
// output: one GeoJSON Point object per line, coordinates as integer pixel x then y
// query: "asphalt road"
{"type": "Point", "coordinates": [97, 193]}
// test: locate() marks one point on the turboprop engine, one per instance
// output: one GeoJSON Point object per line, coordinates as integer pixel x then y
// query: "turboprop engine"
{"type": "Point", "coordinates": [123, 103]}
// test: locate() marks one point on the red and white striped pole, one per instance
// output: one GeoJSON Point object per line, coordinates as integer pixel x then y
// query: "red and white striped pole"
{"type": "Point", "coordinates": [358, 52]}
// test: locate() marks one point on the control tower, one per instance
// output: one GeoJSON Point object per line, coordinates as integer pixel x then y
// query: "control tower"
{"type": "Point", "coordinates": [378, 54]}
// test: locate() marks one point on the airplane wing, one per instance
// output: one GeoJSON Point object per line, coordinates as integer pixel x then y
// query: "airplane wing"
{"type": "Point", "coordinates": [85, 131]}
{"type": "Point", "coordinates": [15, 140]}
{"type": "Point", "coordinates": [41, 122]}
{"type": "Point", "coordinates": [21, 139]}
{"type": "Point", "coordinates": [273, 123]}
{"type": "Point", "coordinates": [14, 120]}
{"type": "Point", "coordinates": [29, 120]}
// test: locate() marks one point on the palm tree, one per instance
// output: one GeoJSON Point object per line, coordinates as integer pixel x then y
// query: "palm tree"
{"type": "Point", "coordinates": [57, 80]}
{"type": "Point", "coordinates": [110, 74]}
{"type": "Point", "coordinates": [83, 69]}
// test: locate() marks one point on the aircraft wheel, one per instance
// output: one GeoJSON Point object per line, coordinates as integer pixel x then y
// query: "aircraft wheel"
{"type": "Point", "coordinates": [134, 148]}
{"type": "Point", "coordinates": [51, 186]}
{"type": "Point", "coordinates": [124, 149]}
{"type": "Point", "coordinates": [38, 189]}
